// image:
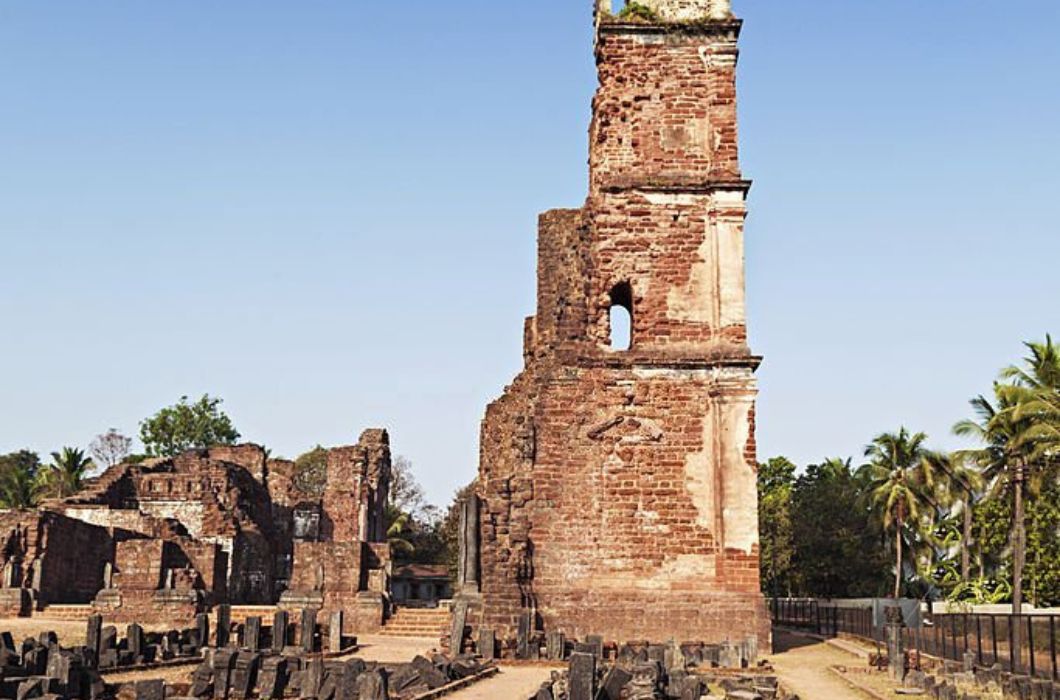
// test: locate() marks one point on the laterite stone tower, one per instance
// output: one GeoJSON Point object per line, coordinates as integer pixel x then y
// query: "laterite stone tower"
{"type": "Point", "coordinates": [616, 490]}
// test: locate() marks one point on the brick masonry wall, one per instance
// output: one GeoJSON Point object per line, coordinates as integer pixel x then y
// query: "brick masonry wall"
{"type": "Point", "coordinates": [74, 556]}
{"type": "Point", "coordinates": [618, 488]}
{"type": "Point", "coordinates": [63, 555]}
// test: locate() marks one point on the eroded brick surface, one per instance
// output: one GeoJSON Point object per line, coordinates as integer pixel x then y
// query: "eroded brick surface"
{"type": "Point", "coordinates": [165, 539]}
{"type": "Point", "coordinates": [618, 485]}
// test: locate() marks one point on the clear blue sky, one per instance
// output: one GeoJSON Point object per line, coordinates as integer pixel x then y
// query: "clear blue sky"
{"type": "Point", "coordinates": [324, 211]}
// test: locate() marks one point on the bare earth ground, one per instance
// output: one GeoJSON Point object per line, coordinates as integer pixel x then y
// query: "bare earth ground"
{"type": "Point", "coordinates": [512, 683]}
{"type": "Point", "coordinates": [803, 667]}
{"type": "Point", "coordinates": [71, 633]}
{"type": "Point", "coordinates": [803, 664]}
{"type": "Point", "coordinates": [389, 650]}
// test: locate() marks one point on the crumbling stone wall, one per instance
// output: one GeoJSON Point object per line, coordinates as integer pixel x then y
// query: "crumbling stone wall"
{"type": "Point", "coordinates": [345, 567]}
{"type": "Point", "coordinates": [54, 558]}
{"type": "Point", "coordinates": [618, 485]}
{"type": "Point", "coordinates": [169, 537]}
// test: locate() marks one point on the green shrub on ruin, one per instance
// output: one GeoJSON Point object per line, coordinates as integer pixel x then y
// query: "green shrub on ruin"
{"type": "Point", "coordinates": [311, 472]}
{"type": "Point", "coordinates": [635, 12]}
{"type": "Point", "coordinates": [186, 426]}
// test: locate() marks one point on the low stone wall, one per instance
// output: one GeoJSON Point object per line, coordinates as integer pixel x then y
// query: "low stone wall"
{"type": "Point", "coordinates": [951, 681]}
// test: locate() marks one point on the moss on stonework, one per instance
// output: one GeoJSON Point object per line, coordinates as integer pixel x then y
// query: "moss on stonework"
{"type": "Point", "coordinates": [635, 12]}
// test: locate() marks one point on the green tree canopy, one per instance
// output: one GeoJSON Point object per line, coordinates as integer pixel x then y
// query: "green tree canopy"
{"type": "Point", "coordinates": [18, 479]}
{"type": "Point", "coordinates": [185, 426]}
{"type": "Point", "coordinates": [837, 545]}
{"type": "Point", "coordinates": [776, 486]}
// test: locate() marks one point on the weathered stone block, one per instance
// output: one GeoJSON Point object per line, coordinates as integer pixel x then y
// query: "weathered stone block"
{"type": "Point", "coordinates": [582, 682]}
{"type": "Point", "coordinates": [252, 633]}
{"type": "Point", "coordinates": [307, 630]}
{"type": "Point", "coordinates": [373, 685]}
{"type": "Point", "coordinates": [335, 631]}
{"type": "Point", "coordinates": [151, 689]}
{"type": "Point", "coordinates": [487, 643]}
{"type": "Point", "coordinates": [224, 625]}
{"type": "Point", "coordinates": [280, 624]}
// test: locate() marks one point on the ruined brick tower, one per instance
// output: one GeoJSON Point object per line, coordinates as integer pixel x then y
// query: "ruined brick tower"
{"type": "Point", "coordinates": [616, 491]}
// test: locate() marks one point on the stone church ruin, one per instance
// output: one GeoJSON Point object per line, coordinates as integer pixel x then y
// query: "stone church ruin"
{"type": "Point", "coordinates": [169, 538]}
{"type": "Point", "coordinates": [616, 492]}
{"type": "Point", "coordinates": [615, 511]}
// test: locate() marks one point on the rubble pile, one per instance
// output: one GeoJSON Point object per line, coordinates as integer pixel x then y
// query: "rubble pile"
{"type": "Point", "coordinates": [238, 674]}
{"type": "Point", "coordinates": [955, 681]}
{"type": "Point", "coordinates": [41, 668]}
{"type": "Point", "coordinates": [246, 660]}
{"type": "Point", "coordinates": [659, 671]}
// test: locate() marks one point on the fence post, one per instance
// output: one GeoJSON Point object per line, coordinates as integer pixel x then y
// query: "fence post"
{"type": "Point", "coordinates": [993, 637]}
{"type": "Point", "coordinates": [979, 639]}
{"type": "Point", "coordinates": [1012, 651]}
{"type": "Point", "coordinates": [1030, 645]}
{"type": "Point", "coordinates": [1052, 646]}
{"type": "Point", "coordinates": [964, 623]}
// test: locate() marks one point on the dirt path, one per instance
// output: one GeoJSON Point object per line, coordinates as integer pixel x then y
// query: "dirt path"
{"type": "Point", "coordinates": [392, 650]}
{"type": "Point", "coordinates": [512, 683]}
{"type": "Point", "coordinates": [802, 665]}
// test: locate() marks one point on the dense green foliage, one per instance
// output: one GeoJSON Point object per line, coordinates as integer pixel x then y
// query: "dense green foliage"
{"type": "Point", "coordinates": [776, 482]}
{"type": "Point", "coordinates": [18, 479]}
{"type": "Point", "coordinates": [185, 426]}
{"type": "Point", "coordinates": [831, 516]}
{"type": "Point", "coordinates": [978, 525]}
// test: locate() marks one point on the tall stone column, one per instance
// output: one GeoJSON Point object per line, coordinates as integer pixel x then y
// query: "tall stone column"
{"type": "Point", "coordinates": [468, 566]}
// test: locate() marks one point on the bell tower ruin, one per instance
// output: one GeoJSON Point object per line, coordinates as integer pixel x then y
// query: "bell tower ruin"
{"type": "Point", "coordinates": [617, 484]}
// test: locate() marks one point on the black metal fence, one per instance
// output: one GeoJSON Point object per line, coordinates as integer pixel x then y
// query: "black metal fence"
{"type": "Point", "coordinates": [1025, 644]}
{"type": "Point", "coordinates": [1019, 643]}
{"type": "Point", "coordinates": [822, 619]}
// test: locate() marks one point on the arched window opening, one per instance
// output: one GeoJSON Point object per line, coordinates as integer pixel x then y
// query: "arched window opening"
{"type": "Point", "coordinates": [621, 317]}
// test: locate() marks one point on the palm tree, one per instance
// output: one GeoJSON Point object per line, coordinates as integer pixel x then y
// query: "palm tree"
{"type": "Point", "coordinates": [1021, 437]}
{"type": "Point", "coordinates": [960, 480]}
{"type": "Point", "coordinates": [1006, 463]}
{"type": "Point", "coordinates": [1037, 389]}
{"type": "Point", "coordinates": [395, 531]}
{"type": "Point", "coordinates": [901, 477]}
{"type": "Point", "coordinates": [1041, 370]}
{"type": "Point", "coordinates": [66, 473]}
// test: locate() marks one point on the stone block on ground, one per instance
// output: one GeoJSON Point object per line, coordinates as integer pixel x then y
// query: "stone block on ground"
{"type": "Point", "coordinates": [582, 681]}
{"type": "Point", "coordinates": [151, 689]}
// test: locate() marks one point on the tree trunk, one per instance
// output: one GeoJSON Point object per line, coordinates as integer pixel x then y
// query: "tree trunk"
{"type": "Point", "coordinates": [1019, 546]}
{"type": "Point", "coordinates": [1019, 534]}
{"type": "Point", "coordinates": [898, 556]}
{"type": "Point", "coordinates": [966, 540]}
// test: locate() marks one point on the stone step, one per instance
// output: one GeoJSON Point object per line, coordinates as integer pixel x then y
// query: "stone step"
{"type": "Point", "coordinates": [405, 615]}
{"type": "Point", "coordinates": [65, 612]}
{"type": "Point", "coordinates": [423, 634]}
